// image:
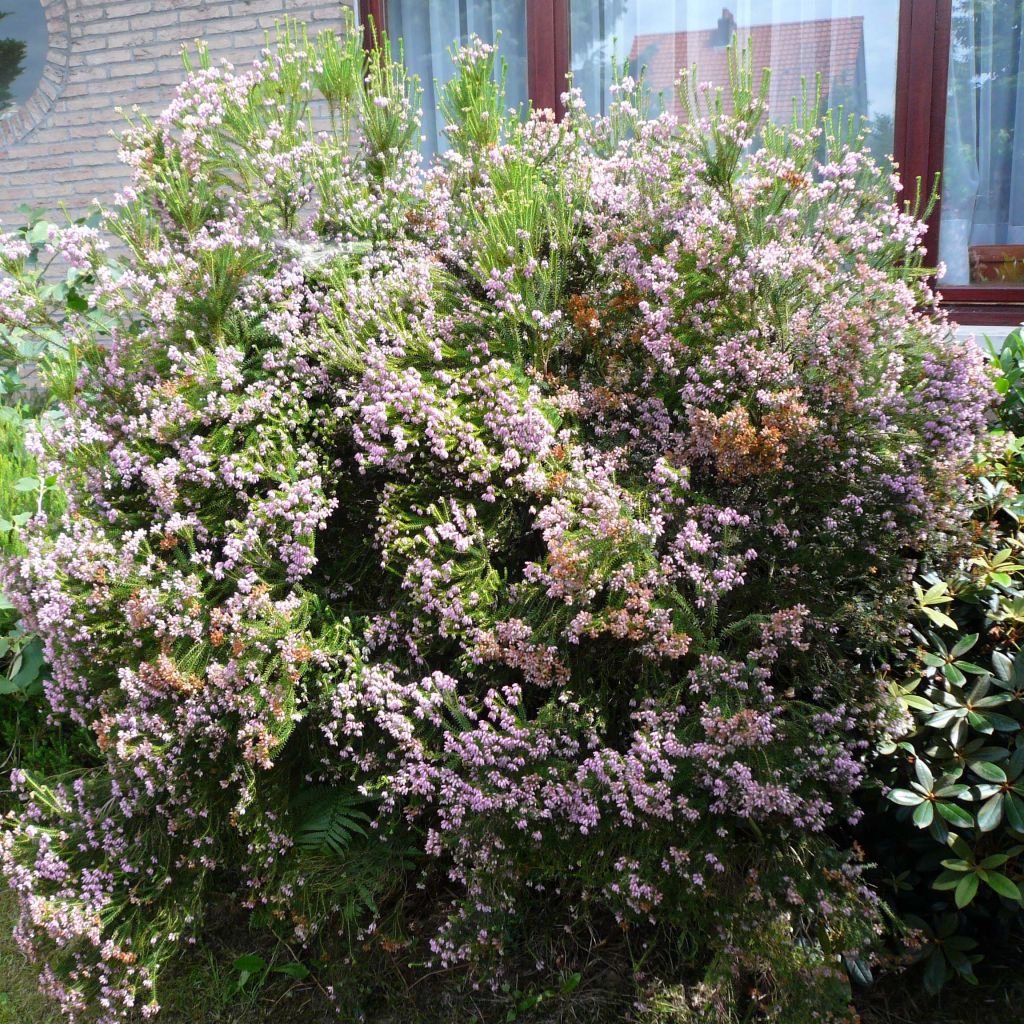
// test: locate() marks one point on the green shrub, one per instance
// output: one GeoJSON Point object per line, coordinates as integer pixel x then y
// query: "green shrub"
{"type": "Point", "coordinates": [955, 778]}
{"type": "Point", "coordinates": [1008, 360]}
{"type": "Point", "coordinates": [21, 660]}
{"type": "Point", "coordinates": [29, 740]}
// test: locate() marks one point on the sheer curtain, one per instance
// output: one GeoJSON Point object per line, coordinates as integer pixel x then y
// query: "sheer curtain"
{"type": "Point", "coordinates": [852, 43]}
{"type": "Point", "coordinates": [983, 178]}
{"type": "Point", "coordinates": [428, 28]}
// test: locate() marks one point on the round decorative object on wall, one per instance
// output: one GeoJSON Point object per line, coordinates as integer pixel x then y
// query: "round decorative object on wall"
{"type": "Point", "coordinates": [33, 63]}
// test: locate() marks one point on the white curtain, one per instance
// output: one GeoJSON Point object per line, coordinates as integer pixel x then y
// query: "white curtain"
{"type": "Point", "coordinates": [428, 28]}
{"type": "Point", "coordinates": [983, 168]}
{"type": "Point", "coordinates": [851, 42]}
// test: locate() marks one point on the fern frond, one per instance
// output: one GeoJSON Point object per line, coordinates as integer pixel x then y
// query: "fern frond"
{"type": "Point", "coordinates": [328, 819]}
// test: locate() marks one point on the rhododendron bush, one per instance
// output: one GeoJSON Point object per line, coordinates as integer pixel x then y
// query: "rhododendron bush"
{"type": "Point", "coordinates": [513, 536]}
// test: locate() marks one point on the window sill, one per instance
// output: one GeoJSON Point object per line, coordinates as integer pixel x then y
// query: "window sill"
{"type": "Point", "coordinates": [986, 314]}
{"type": "Point", "coordinates": [984, 335]}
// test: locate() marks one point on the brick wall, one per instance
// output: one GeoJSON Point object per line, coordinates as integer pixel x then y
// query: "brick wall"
{"type": "Point", "coordinates": [116, 53]}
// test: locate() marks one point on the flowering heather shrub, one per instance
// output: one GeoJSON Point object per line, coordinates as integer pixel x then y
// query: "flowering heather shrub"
{"type": "Point", "coordinates": [513, 534]}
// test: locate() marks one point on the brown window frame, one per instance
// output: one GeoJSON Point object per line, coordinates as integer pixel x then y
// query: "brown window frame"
{"type": "Point", "coordinates": [922, 70]}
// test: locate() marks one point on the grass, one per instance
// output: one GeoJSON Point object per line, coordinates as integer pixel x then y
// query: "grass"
{"type": "Point", "coordinates": [20, 1001]}
{"type": "Point", "coordinates": [201, 989]}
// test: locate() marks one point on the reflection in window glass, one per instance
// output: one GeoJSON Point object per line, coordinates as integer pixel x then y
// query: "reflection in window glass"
{"type": "Point", "coordinates": [428, 28]}
{"type": "Point", "coordinates": [852, 43]}
{"type": "Point", "coordinates": [981, 232]}
{"type": "Point", "coordinates": [23, 44]}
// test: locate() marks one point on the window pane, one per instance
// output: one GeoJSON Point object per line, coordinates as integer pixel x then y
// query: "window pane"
{"type": "Point", "coordinates": [852, 43]}
{"type": "Point", "coordinates": [23, 43]}
{"type": "Point", "coordinates": [981, 231]}
{"type": "Point", "coordinates": [429, 28]}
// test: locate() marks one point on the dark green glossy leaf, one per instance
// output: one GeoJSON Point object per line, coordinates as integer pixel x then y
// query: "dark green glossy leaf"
{"type": "Point", "coordinates": [990, 813]}
{"type": "Point", "coordinates": [988, 771]}
{"type": "Point", "coordinates": [1013, 807]}
{"type": "Point", "coordinates": [954, 814]}
{"type": "Point", "coordinates": [994, 860]}
{"type": "Point", "coordinates": [992, 701]}
{"type": "Point", "coordinates": [953, 674]}
{"type": "Point", "coordinates": [905, 797]}
{"type": "Point", "coordinates": [923, 814]}
{"type": "Point", "coordinates": [1003, 723]}
{"type": "Point", "coordinates": [1003, 885]}
{"type": "Point", "coordinates": [971, 669]}
{"type": "Point", "coordinates": [966, 890]}
{"type": "Point", "coordinates": [964, 644]}
{"type": "Point", "coordinates": [913, 700]}
{"type": "Point", "coordinates": [924, 774]}
{"type": "Point", "coordinates": [934, 973]}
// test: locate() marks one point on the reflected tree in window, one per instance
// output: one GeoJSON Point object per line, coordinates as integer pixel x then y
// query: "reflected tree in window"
{"type": "Point", "coordinates": [594, 47]}
{"type": "Point", "coordinates": [12, 60]}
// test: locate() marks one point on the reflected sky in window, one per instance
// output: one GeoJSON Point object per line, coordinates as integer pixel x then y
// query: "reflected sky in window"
{"type": "Point", "coordinates": [23, 46]}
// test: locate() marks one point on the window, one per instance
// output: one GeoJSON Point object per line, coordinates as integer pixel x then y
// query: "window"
{"type": "Point", "coordinates": [851, 44]}
{"type": "Point", "coordinates": [429, 28]}
{"type": "Point", "coordinates": [23, 47]}
{"type": "Point", "coordinates": [941, 83]}
{"type": "Point", "coordinates": [981, 234]}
